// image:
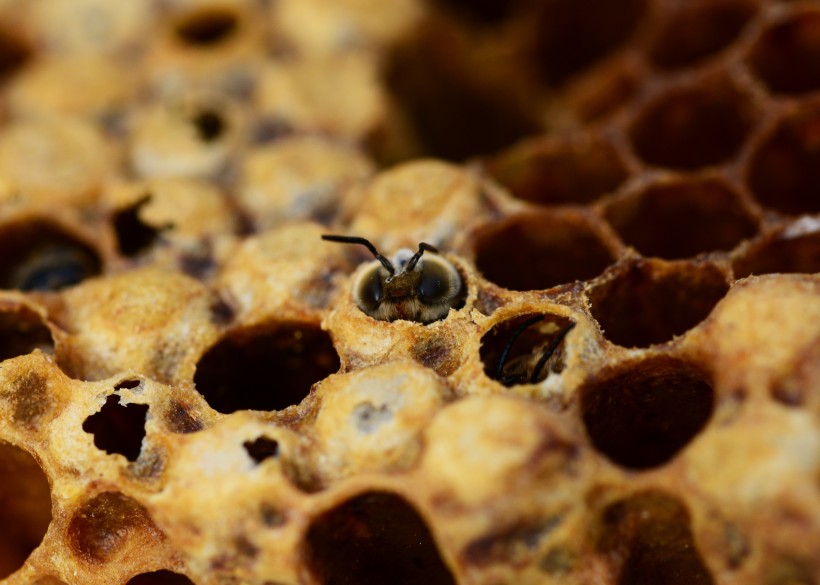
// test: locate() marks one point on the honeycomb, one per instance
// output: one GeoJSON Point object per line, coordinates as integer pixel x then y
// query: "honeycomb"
{"type": "Point", "coordinates": [629, 392]}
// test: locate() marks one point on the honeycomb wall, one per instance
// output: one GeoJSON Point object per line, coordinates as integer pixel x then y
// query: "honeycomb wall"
{"type": "Point", "coordinates": [628, 393]}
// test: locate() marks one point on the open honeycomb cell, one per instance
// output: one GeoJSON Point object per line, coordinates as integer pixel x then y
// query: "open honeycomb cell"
{"type": "Point", "coordinates": [621, 388]}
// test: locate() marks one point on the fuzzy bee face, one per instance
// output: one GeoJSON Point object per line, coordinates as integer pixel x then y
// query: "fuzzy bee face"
{"type": "Point", "coordinates": [412, 286]}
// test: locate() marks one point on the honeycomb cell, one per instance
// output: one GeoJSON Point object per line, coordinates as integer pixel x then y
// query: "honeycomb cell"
{"type": "Point", "coordinates": [694, 126]}
{"type": "Point", "coordinates": [699, 30]}
{"type": "Point", "coordinates": [682, 218]}
{"type": "Point", "coordinates": [555, 172]}
{"type": "Point", "coordinates": [541, 249]}
{"type": "Point", "coordinates": [484, 12]}
{"type": "Point", "coordinates": [784, 171]}
{"type": "Point", "coordinates": [261, 448]}
{"type": "Point", "coordinates": [39, 256]}
{"type": "Point", "coordinates": [652, 302]}
{"type": "Point", "coordinates": [22, 331]}
{"type": "Point", "coordinates": [26, 511]}
{"type": "Point", "coordinates": [572, 34]}
{"type": "Point", "coordinates": [133, 235]}
{"type": "Point", "coordinates": [453, 115]}
{"type": "Point", "coordinates": [372, 539]}
{"type": "Point", "coordinates": [265, 368]}
{"type": "Point", "coordinates": [648, 539]}
{"type": "Point", "coordinates": [521, 350]}
{"type": "Point", "coordinates": [118, 428]}
{"type": "Point", "coordinates": [15, 53]}
{"type": "Point", "coordinates": [163, 577]}
{"type": "Point", "coordinates": [787, 56]}
{"type": "Point", "coordinates": [640, 415]}
{"type": "Point", "coordinates": [781, 252]}
{"type": "Point", "coordinates": [103, 526]}
{"type": "Point", "coordinates": [49, 581]}
{"type": "Point", "coordinates": [206, 28]}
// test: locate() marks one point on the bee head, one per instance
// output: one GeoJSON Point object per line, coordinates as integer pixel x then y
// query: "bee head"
{"type": "Point", "coordinates": [413, 285]}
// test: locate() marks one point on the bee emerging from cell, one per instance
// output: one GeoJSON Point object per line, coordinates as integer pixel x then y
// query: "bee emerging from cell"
{"type": "Point", "coordinates": [524, 351]}
{"type": "Point", "coordinates": [419, 286]}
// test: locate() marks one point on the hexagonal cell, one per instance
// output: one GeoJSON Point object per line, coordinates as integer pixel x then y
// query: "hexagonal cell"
{"type": "Point", "coordinates": [554, 171]}
{"type": "Point", "coordinates": [781, 252]}
{"type": "Point", "coordinates": [787, 56]}
{"type": "Point", "coordinates": [525, 349]}
{"type": "Point", "coordinates": [650, 302]}
{"type": "Point", "coordinates": [15, 52]}
{"type": "Point", "coordinates": [682, 218]}
{"type": "Point", "coordinates": [453, 112]}
{"type": "Point", "coordinates": [484, 12]}
{"type": "Point", "coordinates": [784, 171]}
{"type": "Point", "coordinates": [26, 511]}
{"type": "Point", "coordinates": [574, 34]}
{"type": "Point", "coordinates": [693, 126]}
{"type": "Point", "coordinates": [206, 28]}
{"type": "Point", "coordinates": [163, 577]}
{"type": "Point", "coordinates": [118, 428]}
{"type": "Point", "coordinates": [698, 30]}
{"type": "Point", "coordinates": [22, 330]}
{"type": "Point", "coordinates": [372, 539]}
{"type": "Point", "coordinates": [604, 90]}
{"type": "Point", "coordinates": [39, 256]}
{"type": "Point", "coordinates": [541, 249]}
{"type": "Point", "coordinates": [104, 525]}
{"type": "Point", "coordinates": [268, 367]}
{"type": "Point", "coordinates": [648, 538]}
{"type": "Point", "coordinates": [642, 414]}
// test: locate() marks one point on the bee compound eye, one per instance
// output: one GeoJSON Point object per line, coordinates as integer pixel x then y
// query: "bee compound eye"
{"type": "Point", "coordinates": [436, 282]}
{"type": "Point", "coordinates": [370, 290]}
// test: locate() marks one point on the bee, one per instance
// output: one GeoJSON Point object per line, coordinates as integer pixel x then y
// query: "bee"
{"type": "Point", "coordinates": [527, 368]}
{"type": "Point", "coordinates": [413, 286]}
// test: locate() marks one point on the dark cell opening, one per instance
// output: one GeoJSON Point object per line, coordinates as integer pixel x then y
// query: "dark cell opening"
{"type": "Point", "coordinates": [261, 449]}
{"type": "Point", "coordinates": [209, 125]}
{"type": "Point", "coordinates": [373, 539]}
{"type": "Point", "coordinates": [682, 219]}
{"type": "Point", "coordinates": [21, 332]}
{"type": "Point", "coordinates": [540, 250]}
{"type": "Point", "coordinates": [15, 53]}
{"type": "Point", "coordinates": [648, 539]}
{"type": "Point", "coordinates": [117, 428]}
{"type": "Point", "coordinates": [556, 172]}
{"type": "Point", "coordinates": [698, 31]}
{"type": "Point", "coordinates": [650, 302]}
{"type": "Point", "coordinates": [26, 510]}
{"type": "Point", "coordinates": [38, 256]}
{"type": "Point", "coordinates": [160, 578]}
{"type": "Point", "coordinates": [787, 56]}
{"type": "Point", "coordinates": [784, 172]}
{"type": "Point", "coordinates": [266, 368]}
{"type": "Point", "coordinates": [127, 385]}
{"type": "Point", "coordinates": [780, 253]}
{"type": "Point", "coordinates": [525, 349]}
{"type": "Point", "coordinates": [207, 28]}
{"type": "Point", "coordinates": [641, 415]}
{"type": "Point", "coordinates": [693, 127]}
{"type": "Point", "coordinates": [602, 91]}
{"type": "Point", "coordinates": [485, 12]}
{"type": "Point", "coordinates": [454, 113]}
{"type": "Point", "coordinates": [133, 235]}
{"type": "Point", "coordinates": [103, 525]}
{"type": "Point", "coordinates": [574, 34]}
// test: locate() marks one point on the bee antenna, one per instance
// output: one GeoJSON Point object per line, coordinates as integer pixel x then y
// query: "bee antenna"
{"type": "Point", "coordinates": [550, 350]}
{"type": "Point", "coordinates": [502, 361]}
{"type": "Point", "coordinates": [366, 243]}
{"type": "Point", "coordinates": [423, 247]}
